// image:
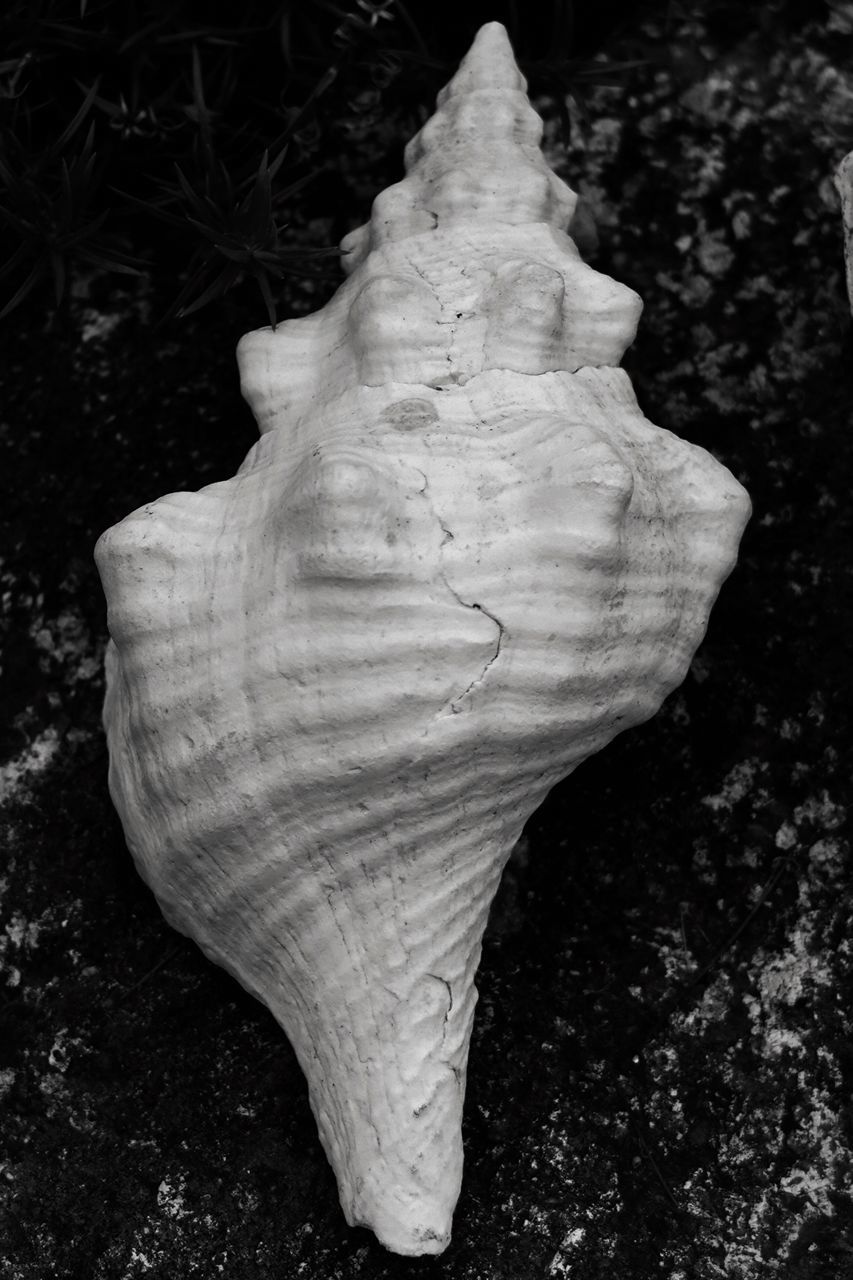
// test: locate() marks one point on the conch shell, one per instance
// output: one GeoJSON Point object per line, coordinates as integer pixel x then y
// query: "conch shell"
{"type": "Point", "coordinates": [456, 563]}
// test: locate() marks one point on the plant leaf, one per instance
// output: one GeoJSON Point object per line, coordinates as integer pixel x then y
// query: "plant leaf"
{"type": "Point", "coordinates": [75, 122]}
{"type": "Point", "coordinates": [226, 278]}
{"type": "Point", "coordinates": [18, 297]}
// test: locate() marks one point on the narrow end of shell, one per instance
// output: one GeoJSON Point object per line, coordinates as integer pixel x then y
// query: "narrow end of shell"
{"type": "Point", "coordinates": [402, 1172]}
{"type": "Point", "coordinates": [488, 64]}
{"type": "Point", "coordinates": [412, 1231]}
{"type": "Point", "coordinates": [476, 162]}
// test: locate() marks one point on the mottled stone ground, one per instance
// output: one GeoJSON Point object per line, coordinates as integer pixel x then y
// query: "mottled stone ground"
{"type": "Point", "coordinates": [660, 1080]}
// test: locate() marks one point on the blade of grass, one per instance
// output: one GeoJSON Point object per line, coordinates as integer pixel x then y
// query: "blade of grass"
{"type": "Point", "coordinates": [21, 293]}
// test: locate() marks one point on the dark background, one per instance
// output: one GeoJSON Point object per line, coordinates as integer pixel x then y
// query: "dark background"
{"type": "Point", "coordinates": [660, 1076]}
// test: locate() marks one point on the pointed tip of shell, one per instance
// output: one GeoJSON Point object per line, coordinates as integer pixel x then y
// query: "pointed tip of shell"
{"type": "Point", "coordinates": [424, 1231]}
{"type": "Point", "coordinates": [489, 64]}
{"type": "Point", "coordinates": [477, 159]}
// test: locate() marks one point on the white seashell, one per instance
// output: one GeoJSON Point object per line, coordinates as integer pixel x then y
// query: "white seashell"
{"type": "Point", "coordinates": [458, 561]}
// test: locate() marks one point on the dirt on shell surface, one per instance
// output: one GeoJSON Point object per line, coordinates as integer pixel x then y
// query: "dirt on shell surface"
{"type": "Point", "coordinates": [661, 1075]}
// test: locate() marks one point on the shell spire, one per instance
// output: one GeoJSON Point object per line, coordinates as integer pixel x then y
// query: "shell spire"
{"type": "Point", "coordinates": [488, 64]}
{"type": "Point", "coordinates": [458, 561]}
{"type": "Point", "coordinates": [464, 266]}
{"type": "Point", "coordinates": [477, 158]}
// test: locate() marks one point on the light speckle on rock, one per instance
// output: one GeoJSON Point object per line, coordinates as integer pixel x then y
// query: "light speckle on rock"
{"type": "Point", "coordinates": [31, 762]}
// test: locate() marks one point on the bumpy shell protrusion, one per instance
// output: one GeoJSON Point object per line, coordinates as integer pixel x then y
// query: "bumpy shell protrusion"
{"type": "Point", "coordinates": [458, 561]}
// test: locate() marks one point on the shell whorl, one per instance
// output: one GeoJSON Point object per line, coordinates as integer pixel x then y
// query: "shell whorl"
{"type": "Point", "coordinates": [465, 266]}
{"type": "Point", "coordinates": [457, 562]}
{"type": "Point", "coordinates": [477, 159]}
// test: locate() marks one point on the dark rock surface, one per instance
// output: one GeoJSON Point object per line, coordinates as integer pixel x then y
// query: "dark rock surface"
{"type": "Point", "coordinates": [660, 1078]}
